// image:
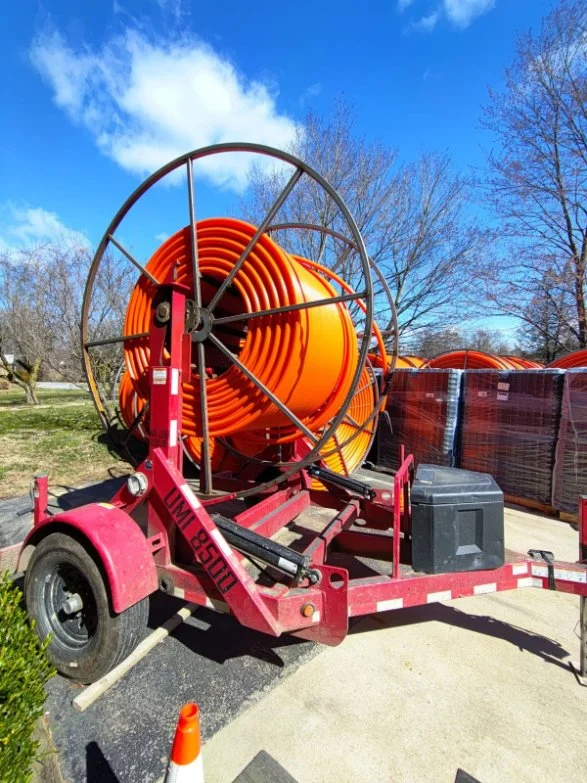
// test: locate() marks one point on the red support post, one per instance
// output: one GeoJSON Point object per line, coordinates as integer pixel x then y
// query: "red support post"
{"type": "Point", "coordinates": [583, 600]}
{"type": "Point", "coordinates": [583, 528]}
{"type": "Point", "coordinates": [40, 497]}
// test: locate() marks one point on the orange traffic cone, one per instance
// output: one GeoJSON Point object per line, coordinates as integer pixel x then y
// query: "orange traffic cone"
{"type": "Point", "coordinates": [185, 763]}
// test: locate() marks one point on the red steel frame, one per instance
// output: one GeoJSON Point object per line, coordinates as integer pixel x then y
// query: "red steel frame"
{"type": "Point", "coordinates": [211, 573]}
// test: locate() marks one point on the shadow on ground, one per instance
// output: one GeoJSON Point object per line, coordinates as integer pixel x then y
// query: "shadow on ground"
{"type": "Point", "coordinates": [101, 492]}
{"type": "Point", "coordinates": [98, 770]}
{"type": "Point", "coordinates": [526, 641]}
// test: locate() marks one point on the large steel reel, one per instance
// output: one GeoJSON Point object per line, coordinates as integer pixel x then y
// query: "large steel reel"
{"type": "Point", "coordinates": [364, 297]}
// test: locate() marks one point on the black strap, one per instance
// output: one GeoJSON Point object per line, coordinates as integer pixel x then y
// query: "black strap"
{"type": "Point", "coordinates": [548, 558]}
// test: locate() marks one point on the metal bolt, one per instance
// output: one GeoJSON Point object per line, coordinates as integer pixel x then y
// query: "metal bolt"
{"type": "Point", "coordinates": [163, 312]}
{"type": "Point", "coordinates": [308, 610]}
{"type": "Point", "coordinates": [72, 604]}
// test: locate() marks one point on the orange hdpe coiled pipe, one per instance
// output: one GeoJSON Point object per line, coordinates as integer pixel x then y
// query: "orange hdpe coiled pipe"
{"type": "Point", "coordinates": [524, 364]}
{"type": "Point", "coordinates": [401, 362]}
{"type": "Point", "coordinates": [416, 361]}
{"type": "Point", "coordinates": [570, 360]}
{"type": "Point", "coordinates": [344, 451]}
{"type": "Point", "coordinates": [348, 446]}
{"type": "Point", "coordinates": [469, 360]}
{"type": "Point", "coordinates": [307, 358]}
{"type": "Point", "coordinates": [131, 404]}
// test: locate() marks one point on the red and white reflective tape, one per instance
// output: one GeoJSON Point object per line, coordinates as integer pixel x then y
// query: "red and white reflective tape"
{"type": "Point", "coordinates": [562, 574]}
{"type": "Point", "coordinates": [186, 773]}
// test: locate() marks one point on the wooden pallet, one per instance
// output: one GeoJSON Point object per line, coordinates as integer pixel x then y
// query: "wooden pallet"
{"type": "Point", "coordinates": [564, 516]}
{"type": "Point", "coordinates": [532, 504]}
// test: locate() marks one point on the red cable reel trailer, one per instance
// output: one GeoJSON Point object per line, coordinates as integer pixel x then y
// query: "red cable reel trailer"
{"type": "Point", "coordinates": [277, 524]}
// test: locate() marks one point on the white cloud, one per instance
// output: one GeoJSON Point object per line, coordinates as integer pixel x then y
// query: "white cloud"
{"type": "Point", "coordinates": [174, 7]}
{"type": "Point", "coordinates": [161, 237]}
{"type": "Point", "coordinates": [25, 227]}
{"type": "Point", "coordinates": [427, 23]}
{"type": "Point", "coordinates": [462, 12]}
{"type": "Point", "coordinates": [403, 4]}
{"type": "Point", "coordinates": [310, 92]}
{"type": "Point", "coordinates": [146, 103]}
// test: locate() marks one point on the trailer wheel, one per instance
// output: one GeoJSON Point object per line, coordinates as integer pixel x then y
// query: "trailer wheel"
{"type": "Point", "coordinates": [68, 597]}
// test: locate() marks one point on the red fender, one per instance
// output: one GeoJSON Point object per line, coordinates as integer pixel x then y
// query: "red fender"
{"type": "Point", "coordinates": [119, 544]}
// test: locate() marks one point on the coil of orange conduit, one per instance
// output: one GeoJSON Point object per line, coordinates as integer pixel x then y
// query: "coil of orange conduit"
{"type": "Point", "coordinates": [347, 448]}
{"type": "Point", "coordinates": [416, 361]}
{"type": "Point", "coordinates": [131, 404]}
{"type": "Point", "coordinates": [401, 362]}
{"type": "Point", "coordinates": [307, 358]}
{"type": "Point", "coordinates": [349, 444]}
{"type": "Point", "coordinates": [343, 452]}
{"type": "Point", "coordinates": [469, 360]}
{"type": "Point", "coordinates": [573, 359]}
{"type": "Point", "coordinates": [524, 364]}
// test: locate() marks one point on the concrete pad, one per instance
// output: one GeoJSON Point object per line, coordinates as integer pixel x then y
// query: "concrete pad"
{"type": "Point", "coordinates": [482, 684]}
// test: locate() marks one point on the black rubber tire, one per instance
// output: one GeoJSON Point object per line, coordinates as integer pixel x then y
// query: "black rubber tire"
{"type": "Point", "coordinates": [84, 646]}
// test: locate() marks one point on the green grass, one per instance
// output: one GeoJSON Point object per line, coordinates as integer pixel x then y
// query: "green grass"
{"type": "Point", "coordinates": [15, 397]}
{"type": "Point", "coordinates": [60, 418]}
{"type": "Point", "coordinates": [64, 440]}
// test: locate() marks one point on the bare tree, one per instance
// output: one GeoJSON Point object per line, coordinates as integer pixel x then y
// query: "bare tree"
{"type": "Point", "coordinates": [410, 216]}
{"type": "Point", "coordinates": [544, 333]}
{"type": "Point", "coordinates": [431, 342]}
{"type": "Point", "coordinates": [538, 178]}
{"type": "Point", "coordinates": [488, 340]}
{"type": "Point", "coordinates": [20, 372]}
{"type": "Point", "coordinates": [41, 294]}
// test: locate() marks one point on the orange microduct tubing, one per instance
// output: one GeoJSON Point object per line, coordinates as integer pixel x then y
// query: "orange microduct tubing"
{"type": "Point", "coordinates": [401, 362]}
{"type": "Point", "coordinates": [570, 360]}
{"type": "Point", "coordinates": [307, 358]}
{"type": "Point", "coordinates": [525, 364]}
{"type": "Point", "coordinates": [416, 361]}
{"type": "Point", "coordinates": [470, 360]}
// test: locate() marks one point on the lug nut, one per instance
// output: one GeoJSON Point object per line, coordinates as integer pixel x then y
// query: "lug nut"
{"type": "Point", "coordinates": [72, 604]}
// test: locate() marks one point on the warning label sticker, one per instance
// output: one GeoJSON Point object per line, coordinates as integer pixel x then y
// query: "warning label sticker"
{"type": "Point", "coordinates": [160, 376]}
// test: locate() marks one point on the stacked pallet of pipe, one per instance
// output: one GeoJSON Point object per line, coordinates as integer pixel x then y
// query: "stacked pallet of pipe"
{"type": "Point", "coordinates": [510, 422]}
{"type": "Point", "coordinates": [570, 467]}
{"type": "Point", "coordinates": [307, 357]}
{"type": "Point", "coordinates": [421, 414]}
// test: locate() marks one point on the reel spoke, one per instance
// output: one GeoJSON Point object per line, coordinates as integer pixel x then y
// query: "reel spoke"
{"type": "Point", "coordinates": [260, 385]}
{"type": "Point", "coordinates": [132, 259]}
{"type": "Point", "coordinates": [206, 462]}
{"type": "Point", "coordinates": [112, 340]}
{"type": "Point", "coordinates": [290, 308]}
{"type": "Point", "coordinates": [341, 452]}
{"type": "Point", "coordinates": [261, 230]}
{"type": "Point", "coordinates": [135, 423]}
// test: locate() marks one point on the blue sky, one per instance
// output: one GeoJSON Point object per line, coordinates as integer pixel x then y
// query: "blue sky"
{"type": "Point", "coordinates": [97, 94]}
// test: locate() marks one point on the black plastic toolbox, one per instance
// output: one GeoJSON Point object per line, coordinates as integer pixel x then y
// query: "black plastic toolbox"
{"type": "Point", "coordinates": [457, 521]}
